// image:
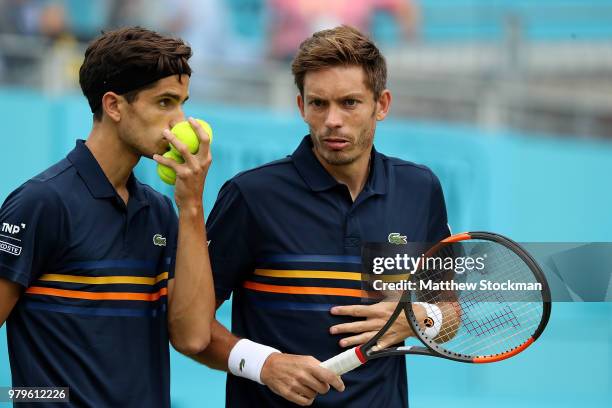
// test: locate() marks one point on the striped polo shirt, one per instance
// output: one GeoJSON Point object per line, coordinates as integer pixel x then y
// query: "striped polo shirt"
{"type": "Point", "coordinates": [286, 241]}
{"type": "Point", "coordinates": [94, 270]}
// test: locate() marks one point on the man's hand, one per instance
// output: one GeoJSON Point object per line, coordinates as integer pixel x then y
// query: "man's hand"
{"type": "Point", "coordinates": [298, 378]}
{"type": "Point", "coordinates": [376, 316]}
{"type": "Point", "coordinates": [190, 175]}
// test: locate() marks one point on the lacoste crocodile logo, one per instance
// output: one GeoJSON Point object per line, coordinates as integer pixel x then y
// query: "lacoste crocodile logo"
{"type": "Point", "coordinates": [397, 239]}
{"type": "Point", "coordinates": [159, 240]}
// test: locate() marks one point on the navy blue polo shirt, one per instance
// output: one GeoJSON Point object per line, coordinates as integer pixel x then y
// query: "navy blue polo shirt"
{"type": "Point", "coordinates": [286, 241]}
{"type": "Point", "coordinates": [94, 270]}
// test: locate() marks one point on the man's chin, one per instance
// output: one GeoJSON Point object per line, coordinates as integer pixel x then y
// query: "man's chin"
{"type": "Point", "coordinates": [338, 158]}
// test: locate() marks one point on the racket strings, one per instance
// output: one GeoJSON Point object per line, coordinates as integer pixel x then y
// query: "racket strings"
{"type": "Point", "coordinates": [493, 331]}
{"type": "Point", "coordinates": [492, 321]}
{"type": "Point", "coordinates": [498, 338]}
{"type": "Point", "coordinates": [496, 332]}
{"type": "Point", "coordinates": [503, 318]}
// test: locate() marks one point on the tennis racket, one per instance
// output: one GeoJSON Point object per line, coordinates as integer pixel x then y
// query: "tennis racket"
{"type": "Point", "coordinates": [471, 326]}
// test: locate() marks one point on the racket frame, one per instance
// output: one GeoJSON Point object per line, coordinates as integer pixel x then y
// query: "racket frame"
{"type": "Point", "coordinates": [431, 347]}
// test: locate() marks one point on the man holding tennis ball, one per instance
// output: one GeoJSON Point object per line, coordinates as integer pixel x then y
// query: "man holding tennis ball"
{"type": "Point", "coordinates": [97, 272]}
{"type": "Point", "coordinates": [185, 133]}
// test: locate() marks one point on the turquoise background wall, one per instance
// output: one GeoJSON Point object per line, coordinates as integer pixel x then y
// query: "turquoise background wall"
{"type": "Point", "coordinates": [529, 188]}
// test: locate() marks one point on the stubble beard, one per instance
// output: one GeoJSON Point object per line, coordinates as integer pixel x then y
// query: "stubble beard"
{"type": "Point", "coordinates": [343, 158]}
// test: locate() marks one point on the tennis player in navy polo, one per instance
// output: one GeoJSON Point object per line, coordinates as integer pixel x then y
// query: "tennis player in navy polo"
{"type": "Point", "coordinates": [286, 241]}
{"type": "Point", "coordinates": [97, 273]}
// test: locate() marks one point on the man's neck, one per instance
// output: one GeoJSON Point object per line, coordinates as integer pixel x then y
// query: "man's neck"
{"type": "Point", "coordinates": [116, 160]}
{"type": "Point", "coordinates": [354, 175]}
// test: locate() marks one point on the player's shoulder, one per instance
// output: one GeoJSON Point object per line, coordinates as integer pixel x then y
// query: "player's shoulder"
{"type": "Point", "coordinates": [265, 174]}
{"type": "Point", "coordinates": [409, 171]}
{"type": "Point", "coordinates": [44, 188]}
{"type": "Point", "coordinates": [51, 182]}
{"type": "Point", "coordinates": [55, 174]}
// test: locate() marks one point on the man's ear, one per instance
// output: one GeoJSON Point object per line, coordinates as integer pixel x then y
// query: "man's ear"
{"type": "Point", "coordinates": [111, 105]}
{"type": "Point", "coordinates": [383, 104]}
{"type": "Point", "coordinates": [300, 104]}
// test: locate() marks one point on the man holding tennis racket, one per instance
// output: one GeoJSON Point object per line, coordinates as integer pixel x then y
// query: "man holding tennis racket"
{"type": "Point", "coordinates": [97, 272]}
{"type": "Point", "coordinates": [286, 240]}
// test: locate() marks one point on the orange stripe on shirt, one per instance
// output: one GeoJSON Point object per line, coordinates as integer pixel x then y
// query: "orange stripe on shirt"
{"type": "Point", "coordinates": [77, 294]}
{"type": "Point", "coordinates": [305, 290]}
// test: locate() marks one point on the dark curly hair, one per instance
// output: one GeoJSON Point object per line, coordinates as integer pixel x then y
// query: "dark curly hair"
{"type": "Point", "coordinates": [128, 60]}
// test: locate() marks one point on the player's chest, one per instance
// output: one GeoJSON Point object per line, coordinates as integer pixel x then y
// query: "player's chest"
{"type": "Point", "coordinates": [322, 225]}
{"type": "Point", "coordinates": [110, 234]}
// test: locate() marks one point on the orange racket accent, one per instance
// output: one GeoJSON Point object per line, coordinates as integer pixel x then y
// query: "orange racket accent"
{"type": "Point", "coordinates": [76, 294]}
{"type": "Point", "coordinates": [505, 355]}
{"type": "Point", "coordinates": [453, 238]}
{"type": "Point", "coordinates": [457, 237]}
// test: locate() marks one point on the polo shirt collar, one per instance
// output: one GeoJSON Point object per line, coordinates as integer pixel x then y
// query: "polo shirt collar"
{"type": "Point", "coordinates": [94, 178]}
{"type": "Point", "coordinates": [318, 179]}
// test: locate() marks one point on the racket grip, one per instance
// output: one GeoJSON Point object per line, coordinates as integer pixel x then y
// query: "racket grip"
{"type": "Point", "coordinates": [344, 362]}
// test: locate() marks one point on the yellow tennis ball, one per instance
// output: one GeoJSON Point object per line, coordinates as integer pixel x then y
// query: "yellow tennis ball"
{"type": "Point", "coordinates": [165, 173]}
{"type": "Point", "coordinates": [185, 133]}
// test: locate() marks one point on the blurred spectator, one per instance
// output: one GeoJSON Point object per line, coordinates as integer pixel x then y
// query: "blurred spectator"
{"type": "Point", "coordinates": [52, 21]}
{"type": "Point", "coordinates": [33, 17]}
{"type": "Point", "coordinates": [203, 24]}
{"type": "Point", "coordinates": [18, 16]}
{"type": "Point", "coordinates": [37, 30]}
{"type": "Point", "coordinates": [206, 25]}
{"type": "Point", "coordinates": [123, 13]}
{"type": "Point", "coordinates": [293, 20]}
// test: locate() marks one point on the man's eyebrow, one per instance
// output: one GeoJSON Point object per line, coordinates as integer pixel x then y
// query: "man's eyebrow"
{"type": "Point", "coordinates": [172, 95]}
{"type": "Point", "coordinates": [355, 95]}
{"type": "Point", "coordinates": [352, 95]}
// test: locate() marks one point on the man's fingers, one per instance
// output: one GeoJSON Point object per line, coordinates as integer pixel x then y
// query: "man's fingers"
{"type": "Point", "coordinates": [174, 165]}
{"type": "Point", "coordinates": [328, 377]}
{"type": "Point", "coordinates": [203, 157]}
{"type": "Point", "coordinates": [313, 383]}
{"type": "Point", "coordinates": [301, 400]}
{"type": "Point", "coordinates": [182, 148]}
{"type": "Point", "coordinates": [352, 310]}
{"type": "Point", "coordinates": [357, 327]}
{"type": "Point", "coordinates": [203, 136]}
{"type": "Point", "coordinates": [176, 142]}
{"type": "Point", "coordinates": [298, 398]}
{"type": "Point", "coordinates": [358, 339]}
{"type": "Point", "coordinates": [303, 390]}
{"type": "Point", "coordinates": [298, 379]}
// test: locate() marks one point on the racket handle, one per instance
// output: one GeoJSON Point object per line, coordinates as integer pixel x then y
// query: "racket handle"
{"type": "Point", "coordinates": [344, 362]}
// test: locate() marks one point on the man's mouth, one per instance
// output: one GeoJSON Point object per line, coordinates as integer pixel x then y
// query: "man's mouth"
{"type": "Point", "coordinates": [335, 143]}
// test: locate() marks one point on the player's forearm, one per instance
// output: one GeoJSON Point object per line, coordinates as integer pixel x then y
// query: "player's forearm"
{"type": "Point", "coordinates": [9, 294]}
{"type": "Point", "coordinates": [216, 355]}
{"type": "Point", "coordinates": [191, 304]}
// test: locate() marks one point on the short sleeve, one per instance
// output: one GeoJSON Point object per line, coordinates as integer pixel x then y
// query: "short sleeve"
{"type": "Point", "coordinates": [437, 228]}
{"type": "Point", "coordinates": [231, 232]}
{"type": "Point", "coordinates": [172, 234]}
{"type": "Point", "coordinates": [33, 225]}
